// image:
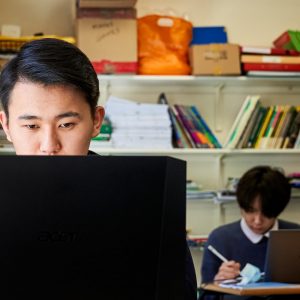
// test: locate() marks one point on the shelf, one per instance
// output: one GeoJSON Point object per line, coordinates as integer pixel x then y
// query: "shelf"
{"type": "Point", "coordinates": [210, 80]}
{"type": "Point", "coordinates": [220, 152]}
{"type": "Point", "coordinates": [170, 152]}
{"type": "Point", "coordinates": [6, 150]}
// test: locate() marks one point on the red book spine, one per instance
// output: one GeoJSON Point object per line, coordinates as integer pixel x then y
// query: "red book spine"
{"type": "Point", "coordinates": [282, 40]}
{"type": "Point", "coordinates": [268, 51]}
{"type": "Point", "coordinates": [270, 67]}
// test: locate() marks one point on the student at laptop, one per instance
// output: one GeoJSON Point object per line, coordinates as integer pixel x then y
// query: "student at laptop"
{"type": "Point", "coordinates": [49, 94]}
{"type": "Point", "coordinates": [262, 194]}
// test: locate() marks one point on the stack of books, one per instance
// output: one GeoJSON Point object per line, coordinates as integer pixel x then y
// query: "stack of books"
{"type": "Point", "coordinates": [190, 129]}
{"type": "Point", "coordinates": [139, 125]}
{"type": "Point", "coordinates": [188, 126]}
{"type": "Point", "coordinates": [270, 61]}
{"type": "Point", "coordinates": [265, 127]}
{"type": "Point", "coordinates": [103, 139]}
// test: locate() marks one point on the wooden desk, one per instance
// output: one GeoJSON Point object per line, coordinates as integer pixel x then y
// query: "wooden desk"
{"type": "Point", "coordinates": [254, 291]}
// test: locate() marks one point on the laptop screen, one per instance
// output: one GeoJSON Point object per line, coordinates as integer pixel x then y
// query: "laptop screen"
{"type": "Point", "coordinates": [92, 227]}
{"type": "Point", "coordinates": [283, 256]}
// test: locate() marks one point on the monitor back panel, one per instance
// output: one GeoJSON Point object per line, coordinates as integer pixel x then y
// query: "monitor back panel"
{"type": "Point", "coordinates": [283, 256]}
{"type": "Point", "coordinates": [90, 227]}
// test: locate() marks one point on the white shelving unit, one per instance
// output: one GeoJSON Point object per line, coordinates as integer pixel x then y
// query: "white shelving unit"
{"type": "Point", "coordinates": [219, 100]}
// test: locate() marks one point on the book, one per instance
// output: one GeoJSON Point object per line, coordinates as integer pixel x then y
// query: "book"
{"type": "Point", "coordinates": [288, 40]}
{"type": "Point", "coordinates": [270, 142]}
{"type": "Point", "coordinates": [177, 134]}
{"type": "Point", "coordinates": [277, 59]}
{"type": "Point", "coordinates": [206, 129]}
{"type": "Point", "coordinates": [259, 285]}
{"type": "Point", "coordinates": [297, 142]}
{"type": "Point", "coordinates": [270, 67]}
{"type": "Point", "coordinates": [241, 121]}
{"type": "Point", "coordinates": [237, 120]}
{"type": "Point", "coordinates": [270, 128]}
{"type": "Point", "coordinates": [282, 140]}
{"type": "Point", "coordinates": [200, 130]}
{"type": "Point", "coordinates": [184, 131]}
{"type": "Point", "coordinates": [285, 109]}
{"type": "Point", "coordinates": [260, 73]}
{"type": "Point", "coordinates": [190, 127]}
{"type": "Point", "coordinates": [264, 127]}
{"type": "Point", "coordinates": [258, 123]}
{"type": "Point", "coordinates": [294, 131]}
{"type": "Point", "coordinates": [246, 133]}
{"type": "Point", "coordinates": [268, 50]}
{"type": "Point", "coordinates": [283, 126]}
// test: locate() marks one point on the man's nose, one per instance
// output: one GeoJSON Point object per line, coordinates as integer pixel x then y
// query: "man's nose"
{"type": "Point", "coordinates": [258, 218]}
{"type": "Point", "coordinates": [50, 144]}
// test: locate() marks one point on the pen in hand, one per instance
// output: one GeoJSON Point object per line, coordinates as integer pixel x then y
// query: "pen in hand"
{"type": "Point", "coordinates": [217, 253]}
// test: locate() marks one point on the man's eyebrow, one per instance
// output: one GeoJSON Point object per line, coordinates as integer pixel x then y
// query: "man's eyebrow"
{"type": "Point", "coordinates": [68, 114]}
{"type": "Point", "coordinates": [60, 116]}
{"type": "Point", "coordinates": [28, 117]}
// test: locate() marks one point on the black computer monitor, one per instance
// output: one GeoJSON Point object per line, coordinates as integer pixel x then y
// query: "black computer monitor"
{"type": "Point", "coordinates": [92, 227]}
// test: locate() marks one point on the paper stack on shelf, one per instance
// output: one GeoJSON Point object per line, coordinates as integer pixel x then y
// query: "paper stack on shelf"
{"type": "Point", "coordinates": [3, 140]}
{"type": "Point", "coordinates": [139, 125]}
{"type": "Point", "coordinates": [194, 191]}
{"type": "Point", "coordinates": [280, 60]}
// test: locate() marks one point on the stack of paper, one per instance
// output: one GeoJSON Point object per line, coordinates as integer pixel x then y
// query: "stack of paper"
{"type": "Point", "coordinates": [139, 125]}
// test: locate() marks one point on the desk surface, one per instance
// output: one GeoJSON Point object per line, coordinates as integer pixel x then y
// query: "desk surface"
{"type": "Point", "coordinates": [254, 291]}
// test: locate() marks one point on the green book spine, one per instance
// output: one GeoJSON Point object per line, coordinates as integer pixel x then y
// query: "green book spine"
{"type": "Point", "coordinates": [255, 131]}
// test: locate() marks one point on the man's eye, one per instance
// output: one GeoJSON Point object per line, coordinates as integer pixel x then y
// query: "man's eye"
{"type": "Point", "coordinates": [31, 126]}
{"type": "Point", "coordinates": [66, 125]}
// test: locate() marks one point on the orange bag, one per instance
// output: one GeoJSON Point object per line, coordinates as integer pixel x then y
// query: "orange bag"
{"type": "Point", "coordinates": [163, 44]}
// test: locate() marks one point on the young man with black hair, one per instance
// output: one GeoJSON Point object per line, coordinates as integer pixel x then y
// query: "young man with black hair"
{"type": "Point", "coordinates": [262, 194]}
{"type": "Point", "coordinates": [49, 94]}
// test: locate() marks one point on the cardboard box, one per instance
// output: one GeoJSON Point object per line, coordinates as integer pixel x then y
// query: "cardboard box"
{"type": "Point", "coordinates": [107, 13]}
{"type": "Point", "coordinates": [111, 44]}
{"type": "Point", "coordinates": [106, 3]}
{"type": "Point", "coordinates": [215, 59]}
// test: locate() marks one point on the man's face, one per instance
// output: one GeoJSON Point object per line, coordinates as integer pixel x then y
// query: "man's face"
{"type": "Point", "coordinates": [53, 120]}
{"type": "Point", "coordinates": [256, 220]}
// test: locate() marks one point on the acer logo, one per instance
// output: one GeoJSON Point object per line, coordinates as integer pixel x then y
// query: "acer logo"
{"type": "Point", "coordinates": [57, 236]}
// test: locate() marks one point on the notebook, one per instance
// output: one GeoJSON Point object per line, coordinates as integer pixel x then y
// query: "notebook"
{"type": "Point", "coordinates": [283, 256]}
{"type": "Point", "coordinates": [92, 227]}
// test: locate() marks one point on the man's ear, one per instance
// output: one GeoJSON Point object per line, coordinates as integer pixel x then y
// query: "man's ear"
{"type": "Point", "coordinates": [98, 118]}
{"type": "Point", "coordinates": [4, 123]}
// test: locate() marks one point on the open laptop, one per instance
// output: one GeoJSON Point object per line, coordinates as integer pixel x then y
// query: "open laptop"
{"type": "Point", "coordinates": [283, 256]}
{"type": "Point", "coordinates": [92, 227]}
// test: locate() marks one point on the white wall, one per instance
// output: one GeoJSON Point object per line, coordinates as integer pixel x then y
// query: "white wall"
{"type": "Point", "coordinates": [47, 16]}
{"type": "Point", "coordinates": [255, 22]}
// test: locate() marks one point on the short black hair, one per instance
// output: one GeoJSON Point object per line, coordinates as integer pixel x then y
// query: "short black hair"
{"type": "Point", "coordinates": [267, 183]}
{"type": "Point", "coordinates": [50, 62]}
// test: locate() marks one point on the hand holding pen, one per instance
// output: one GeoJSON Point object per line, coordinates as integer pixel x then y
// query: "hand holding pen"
{"type": "Point", "coordinates": [228, 269]}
